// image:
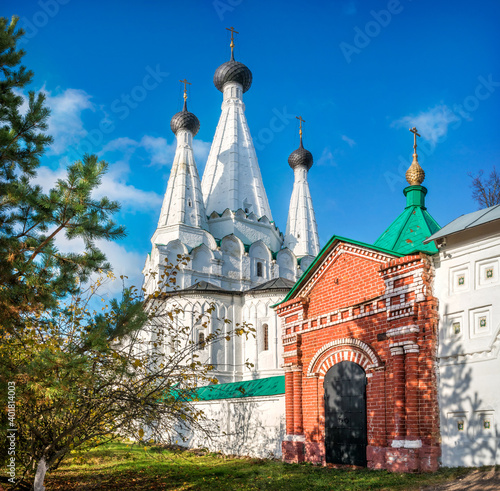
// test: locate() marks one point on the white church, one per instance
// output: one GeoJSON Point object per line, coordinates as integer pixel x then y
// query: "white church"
{"type": "Point", "coordinates": [240, 261]}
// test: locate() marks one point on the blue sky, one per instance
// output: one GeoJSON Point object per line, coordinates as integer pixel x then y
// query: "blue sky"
{"type": "Point", "coordinates": [359, 72]}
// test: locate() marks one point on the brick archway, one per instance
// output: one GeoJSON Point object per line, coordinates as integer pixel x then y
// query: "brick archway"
{"type": "Point", "coordinates": [346, 349]}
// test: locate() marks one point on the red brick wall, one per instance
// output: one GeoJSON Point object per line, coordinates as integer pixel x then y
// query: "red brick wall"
{"type": "Point", "coordinates": [356, 302]}
{"type": "Point", "coordinates": [348, 280]}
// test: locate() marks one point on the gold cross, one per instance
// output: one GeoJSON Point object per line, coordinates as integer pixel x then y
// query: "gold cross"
{"type": "Point", "coordinates": [185, 82]}
{"type": "Point", "coordinates": [415, 134]}
{"type": "Point", "coordinates": [232, 39]}
{"type": "Point", "coordinates": [300, 127]}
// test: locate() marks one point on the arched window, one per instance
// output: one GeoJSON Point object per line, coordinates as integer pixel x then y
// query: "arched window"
{"type": "Point", "coordinates": [259, 270]}
{"type": "Point", "coordinates": [265, 337]}
{"type": "Point", "coordinates": [201, 340]}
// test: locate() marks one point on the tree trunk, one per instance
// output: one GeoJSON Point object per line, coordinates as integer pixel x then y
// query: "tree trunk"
{"type": "Point", "coordinates": [41, 469]}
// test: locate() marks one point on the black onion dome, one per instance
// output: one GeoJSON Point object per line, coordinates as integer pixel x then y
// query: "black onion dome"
{"type": "Point", "coordinates": [301, 156]}
{"type": "Point", "coordinates": [185, 120]}
{"type": "Point", "coordinates": [233, 71]}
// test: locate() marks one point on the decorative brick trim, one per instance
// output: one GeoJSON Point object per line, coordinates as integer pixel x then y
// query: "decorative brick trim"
{"type": "Point", "coordinates": [401, 262]}
{"type": "Point", "coordinates": [294, 438]}
{"type": "Point", "coordinates": [289, 339]}
{"type": "Point", "coordinates": [406, 444]}
{"type": "Point", "coordinates": [411, 348]}
{"type": "Point", "coordinates": [399, 331]}
{"type": "Point", "coordinates": [289, 354]}
{"type": "Point", "coordinates": [396, 350]}
{"type": "Point", "coordinates": [346, 349]}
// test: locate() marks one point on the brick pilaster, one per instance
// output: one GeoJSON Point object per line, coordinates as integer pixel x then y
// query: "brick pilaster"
{"type": "Point", "coordinates": [398, 373]}
{"type": "Point", "coordinates": [411, 391]}
{"type": "Point", "coordinates": [289, 401]}
{"type": "Point", "coordinates": [298, 426]}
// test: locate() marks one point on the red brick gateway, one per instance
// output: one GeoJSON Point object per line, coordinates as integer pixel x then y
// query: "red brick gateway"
{"type": "Point", "coordinates": [359, 336]}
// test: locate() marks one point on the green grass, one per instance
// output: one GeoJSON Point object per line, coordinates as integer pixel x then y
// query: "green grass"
{"type": "Point", "coordinates": [120, 467]}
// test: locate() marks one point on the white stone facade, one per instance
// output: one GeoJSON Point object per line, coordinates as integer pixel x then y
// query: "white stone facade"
{"type": "Point", "coordinates": [238, 261]}
{"type": "Point", "coordinates": [232, 178]}
{"type": "Point", "coordinates": [467, 285]}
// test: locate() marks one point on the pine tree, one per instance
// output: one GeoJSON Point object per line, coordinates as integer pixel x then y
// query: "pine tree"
{"type": "Point", "coordinates": [34, 274]}
{"type": "Point", "coordinates": [80, 377]}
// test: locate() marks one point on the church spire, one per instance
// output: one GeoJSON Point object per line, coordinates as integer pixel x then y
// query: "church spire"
{"type": "Point", "coordinates": [183, 201]}
{"type": "Point", "coordinates": [232, 178]}
{"type": "Point", "coordinates": [301, 229]}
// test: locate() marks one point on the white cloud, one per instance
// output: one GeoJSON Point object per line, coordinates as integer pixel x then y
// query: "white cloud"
{"type": "Point", "coordinates": [201, 150]}
{"type": "Point", "coordinates": [65, 122]}
{"type": "Point", "coordinates": [123, 262]}
{"type": "Point", "coordinates": [348, 140]}
{"type": "Point", "coordinates": [131, 198]}
{"type": "Point", "coordinates": [47, 178]}
{"type": "Point", "coordinates": [113, 185]}
{"type": "Point", "coordinates": [431, 124]}
{"type": "Point", "coordinates": [326, 158]}
{"type": "Point", "coordinates": [162, 153]}
{"type": "Point", "coordinates": [122, 144]}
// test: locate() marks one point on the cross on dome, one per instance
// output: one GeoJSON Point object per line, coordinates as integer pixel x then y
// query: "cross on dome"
{"type": "Point", "coordinates": [185, 82]}
{"type": "Point", "coordinates": [232, 40]}
{"type": "Point", "coordinates": [415, 134]}
{"type": "Point", "coordinates": [300, 126]}
{"type": "Point", "coordinates": [415, 175]}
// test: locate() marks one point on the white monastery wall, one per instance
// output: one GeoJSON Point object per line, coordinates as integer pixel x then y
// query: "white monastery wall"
{"type": "Point", "coordinates": [253, 426]}
{"type": "Point", "coordinates": [468, 287]}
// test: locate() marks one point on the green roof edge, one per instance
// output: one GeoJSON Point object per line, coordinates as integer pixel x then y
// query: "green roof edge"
{"type": "Point", "coordinates": [261, 387]}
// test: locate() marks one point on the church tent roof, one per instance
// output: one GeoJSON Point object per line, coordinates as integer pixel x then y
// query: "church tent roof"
{"type": "Point", "coordinates": [408, 232]}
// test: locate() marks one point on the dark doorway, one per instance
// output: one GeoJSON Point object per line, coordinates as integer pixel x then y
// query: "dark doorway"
{"type": "Point", "coordinates": [345, 414]}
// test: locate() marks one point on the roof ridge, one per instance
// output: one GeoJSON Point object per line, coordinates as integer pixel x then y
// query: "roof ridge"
{"type": "Point", "coordinates": [486, 211]}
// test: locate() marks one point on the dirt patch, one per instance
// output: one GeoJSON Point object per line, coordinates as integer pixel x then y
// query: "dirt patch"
{"type": "Point", "coordinates": [478, 480]}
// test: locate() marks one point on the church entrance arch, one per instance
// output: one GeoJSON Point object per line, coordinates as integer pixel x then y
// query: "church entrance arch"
{"type": "Point", "coordinates": [345, 414]}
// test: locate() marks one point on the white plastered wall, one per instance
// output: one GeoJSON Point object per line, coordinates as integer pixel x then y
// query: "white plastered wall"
{"type": "Point", "coordinates": [253, 426]}
{"type": "Point", "coordinates": [468, 288]}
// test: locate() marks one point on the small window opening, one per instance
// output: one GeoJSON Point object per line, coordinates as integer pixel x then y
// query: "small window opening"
{"type": "Point", "coordinates": [259, 270]}
{"type": "Point", "coordinates": [201, 340]}
{"type": "Point", "coordinates": [247, 211]}
{"type": "Point", "coordinates": [265, 336]}
{"type": "Point", "coordinates": [190, 203]}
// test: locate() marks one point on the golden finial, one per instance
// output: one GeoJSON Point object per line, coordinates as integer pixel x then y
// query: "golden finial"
{"type": "Point", "coordinates": [186, 83]}
{"type": "Point", "coordinates": [300, 127]}
{"type": "Point", "coordinates": [232, 40]}
{"type": "Point", "coordinates": [415, 175]}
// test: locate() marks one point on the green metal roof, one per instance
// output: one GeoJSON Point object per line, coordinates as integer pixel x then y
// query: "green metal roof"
{"type": "Point", "coordinates": [408, 232]}
{"type": "Point", "coordinates": [250, 388]}
{"type": "Point", "coordinates": [330, 244]}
